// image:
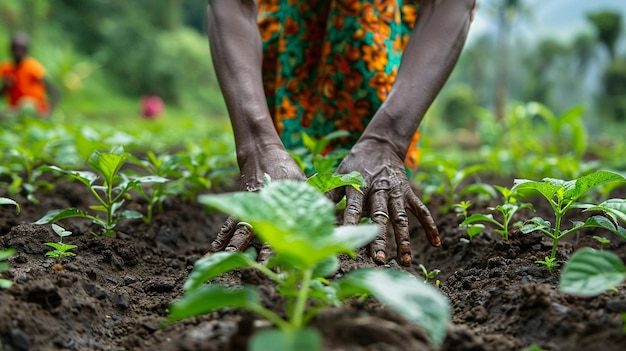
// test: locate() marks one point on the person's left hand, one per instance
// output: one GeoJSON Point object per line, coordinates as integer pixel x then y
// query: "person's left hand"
{"type": "Point", "coordinates": [387, 196]}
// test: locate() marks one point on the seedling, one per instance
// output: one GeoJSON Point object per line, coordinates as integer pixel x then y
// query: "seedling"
{"type": "Point", "coordinates": [297, 221]}
{"type": "Point", "coordinates": [562, 196]}
{"type": "Point", "coordinates": [452, 178]}
{"type": "Point", "coordinates": [462, 207]}
{"type": "Point", "coordinates": [313, 157]}
{"type": "Point", "coordinates": [506, 210]}
{"type": "Point", "coordinates": [549, 262]}
{"type": "Point", "coordinates": [110, 195]}
{"type": "Point", "coordinates": [7, 201]}
{"type": "Point", "coordinates": [428, 275]}
{"type": "Point", "coordinates": [61, 249]}
{"type": "Point", "coordinates": [4, 255]}
{"type": "Point", "coordinates": [590, 272]}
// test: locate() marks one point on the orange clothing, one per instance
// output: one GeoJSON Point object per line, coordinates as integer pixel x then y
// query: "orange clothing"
{"type": "Point", "coordinates": [26, 83]}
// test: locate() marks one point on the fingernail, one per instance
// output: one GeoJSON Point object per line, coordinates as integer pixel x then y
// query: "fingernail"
{"type": "Point", "coordinates": [437, 241]}
{"type": "Point", "coordinates": [405, 260]}
{"type": "Point", "coordinates": [381, 257]}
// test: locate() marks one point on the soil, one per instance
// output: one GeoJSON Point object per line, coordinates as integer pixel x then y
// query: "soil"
{"type": "Point", "coordinates": [115, 293]}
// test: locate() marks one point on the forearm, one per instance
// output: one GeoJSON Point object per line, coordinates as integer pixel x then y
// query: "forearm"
{"type": "Point", "coordinates": [236, 51]}
{"type": "Point", "coordinates": [436, 41]}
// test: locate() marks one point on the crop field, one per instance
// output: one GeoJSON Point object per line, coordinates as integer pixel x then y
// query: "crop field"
{"type": "Point", "coordinates": [104, 234]}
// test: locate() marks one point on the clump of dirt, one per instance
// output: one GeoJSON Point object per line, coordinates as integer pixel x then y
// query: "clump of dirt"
{"type": "Point", "coordinates": [115, 293]}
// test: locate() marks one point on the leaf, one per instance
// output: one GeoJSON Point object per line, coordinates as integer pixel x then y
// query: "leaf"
{"type": "Point", "coordinates": [6, 253]}
{"type": "Point", "coordinates": [130, 214]}
{"type": "Point", "coordinates": [547, 188]}
{"type": "Point", "coordinates": [7, 201]}
{"type": "Point", "coordinates": [615, 207]}
{"type": "Point", "coordinates": [536, 223]}
{"type": "Point", "coordinates": [60, 231]}
{"type": "Point", "coordinates": [326, 267]}
{"type": "Point", "coordinates": [57, 215]}
{"type": "Point", "coordinates": [324, 182]}
{"type": "Point", "coordinates": [474, 229]}
{"type": "Point", "coordinates": [150, 179]}
{"type": "Point", "coordinates": [214, 265]}
{"type": "Point", "coordinates": [306, 339]}
{"type": "Point", "coordinates": [108, 164]}
{"type": "Point", "coordinates": [415, 300]}
{"type": "Point", "coordinates": [590, 272]}
{"type": "Point", "coordinates": [208, 298]}
{"type": "Point", "coordinates": [584, 183]}
{"type": "Point", "coordinates": [478, 217]}
{"type": "Point", "coordinates": [5, 284]}
{"type": "Point", "coordinates": [293, 217]}
{"type": "Point", "coordinates": [479, 188]}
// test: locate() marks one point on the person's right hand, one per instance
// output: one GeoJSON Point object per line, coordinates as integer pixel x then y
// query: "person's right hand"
{"type": "Point", "coordinates": [272, 160]}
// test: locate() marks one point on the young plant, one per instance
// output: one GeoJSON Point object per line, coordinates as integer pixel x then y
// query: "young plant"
{"type": "Point", "coordinates": [452, 178]}
{"type": "Point", "coordinates": [562, 196]}
{"type": "Point", "coordinates": [462, 207]}
{"type": "Point", "coordinates": [313, 159]}
{"type": "Point", "coordinates": [4, 255]}
{"type": "Point", "coordinates": [507, 210]}
{"type": "Point", "coordinates": [110, 194]}
{"type": "Point", "coordinates": [590, 272]}
{"type": "Point", "coordinates": [61, 249]}
{"type": "Point", "coordinates": [428, 275]}
{"type": "Point", "coordinates": [7, 201]}
{"type": "Point", "coordinates": [297, 221]}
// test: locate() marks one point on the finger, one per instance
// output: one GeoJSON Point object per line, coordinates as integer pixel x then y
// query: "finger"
{"type": "Point", "coordinates": [265, 254]}
{"type": "Point", "coordinates": [422, 213]}
{"type": "Point", "coordinates": [380, 216]}
{"type": "Point", "coordinates": [354, 207]}
{"type": "Point", "coordinates": [241, 238]}
{"type": "Point", "coordinates": [400, 224]}
{"type": "Point", "coordinates": [224, 235]}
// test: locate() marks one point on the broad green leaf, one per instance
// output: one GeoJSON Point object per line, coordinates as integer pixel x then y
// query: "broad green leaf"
{"type": "Point", "coordinates": [150, 179]}
{"type": "Point", "coordinates": [5, 284]}
{"type": "Point", "coordinates": [60, 231]}
{"type": "Point", "coordinates": [536, 223]}
{"type": "Point", "coordinates": [478, 217]}
{"type": "Point", "coordinates": [584, 183]}
{"type": "Point", "coordinates": [600, 222]}
{"type": "Point", "coordinates": [6, 253]}
{"type": "Point", "coordinates": [615, 207]}
{"type": "Point", "coordinates": [590, 272]}
{"type": "Point", "coordinates": [415, 300]}
{"type": "Point", "coordinates": [479, 188]}
{"type": "Point", "coordinates": [7, 201]}
{"type": "Point", "coordinates": [548, 187]}
{"type": "Point", "coordinates": [474, 229]}
{"type": "Point", "coordinates": [324, 182]}
{"type": "Point", "coordinates": [85, 177]}
{"type": "Point", "coordinates": [108, 164]}
{"type": "Point", "coordinates": [291, 216]}
{"type": "Point", "coordinates": [214, 265]}
{"type": "Point", "coordinates": [326, 267]}
{"type": "Point", "coordinates": [57, 215]}
{"type": "Point", "coordinates": [306, 339]}
{"type": "Point", "coordinates": [208, 298]}
{"type": "Point", "coordinates": [130, 214]}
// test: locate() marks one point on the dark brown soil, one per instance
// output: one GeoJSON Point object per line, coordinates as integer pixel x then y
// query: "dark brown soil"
{"type": "Point", "coordinates": [115, 293]}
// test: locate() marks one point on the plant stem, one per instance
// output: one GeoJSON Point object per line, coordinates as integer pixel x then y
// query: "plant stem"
{"type": "Point", "coordinates": [557, 231]}
{"type": "Point", "coordinates": [298, 312]}
{"type": "Point", "coordinates": [273, 317]}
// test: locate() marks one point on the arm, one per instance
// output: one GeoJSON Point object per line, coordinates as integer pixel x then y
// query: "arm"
{"type": "Point", "coordinates": [433, 49]}
{"type": "Point", "coordinates": [236, 50]}
{"type": "Point", "coordinates": [435, 45]}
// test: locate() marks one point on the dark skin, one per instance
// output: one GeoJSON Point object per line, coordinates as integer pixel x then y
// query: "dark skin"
{"type": "Point", "coordinates": [20, 45]}
{"type": "Point", "coordinates": [436, 42]}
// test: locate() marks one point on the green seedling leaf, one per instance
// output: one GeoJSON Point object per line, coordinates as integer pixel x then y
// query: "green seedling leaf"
{"type": "Point", "coordinates": [583, 184]}
{"type": "Point", "coordinates": [415, 300]}
{"type": "Point", "coordinates": [536, 223]}
{"type": "Point", "coordinates": [477, 217]}
{"type": "Point", "coordinates": [108, 164]}
{"type": "Point", "coordinates": [306, 339]}
{"type": "Point", "coordinates": [60, 231]}
{"type": "Point", "coordinates": [85, 177]}
{"type": "Point", "coordinates": [324, 182]}
{"type": "Point", "coordinates": [615, 207]}
{"type": "Point", "coordinates": [6, 253]}
{"type": "Point", "coordinates": [590, 272]}
{"type": "Point", "coordinates": [130, 214]}
{"type": "Point", "coordinates": [209, 298]}
{"type": "Point", "coordinates": [294, 218]}
{"type": "Point", "coordinates": [474, 229]}
{"type": "Point", "coordinates": [7, 201]}
{"type": "Point", "coordinates": [218, 263]}
{"type": "Point", "coordinates": [479, 188]}
{"type": "Point", "coordinates": [57, 215]}
{"type": "Point", "coordinates": [326, 267]}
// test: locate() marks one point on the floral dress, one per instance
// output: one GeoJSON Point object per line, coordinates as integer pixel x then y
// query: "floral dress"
{"type": "Point", "coordinates": [329, 64]}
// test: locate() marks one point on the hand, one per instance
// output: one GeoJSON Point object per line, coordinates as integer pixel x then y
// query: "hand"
{"type": "Point", "coordinates": [274, 161]}
{"type": "Point", "coordinates": [387, 196]}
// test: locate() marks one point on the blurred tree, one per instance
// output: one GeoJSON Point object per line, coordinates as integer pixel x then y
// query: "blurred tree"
{"type": "Point", "coordinates": [608, 26]}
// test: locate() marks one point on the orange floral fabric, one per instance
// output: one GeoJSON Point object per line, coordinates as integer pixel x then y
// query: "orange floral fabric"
{"type": "Point", "coordinates": [328, 65]}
